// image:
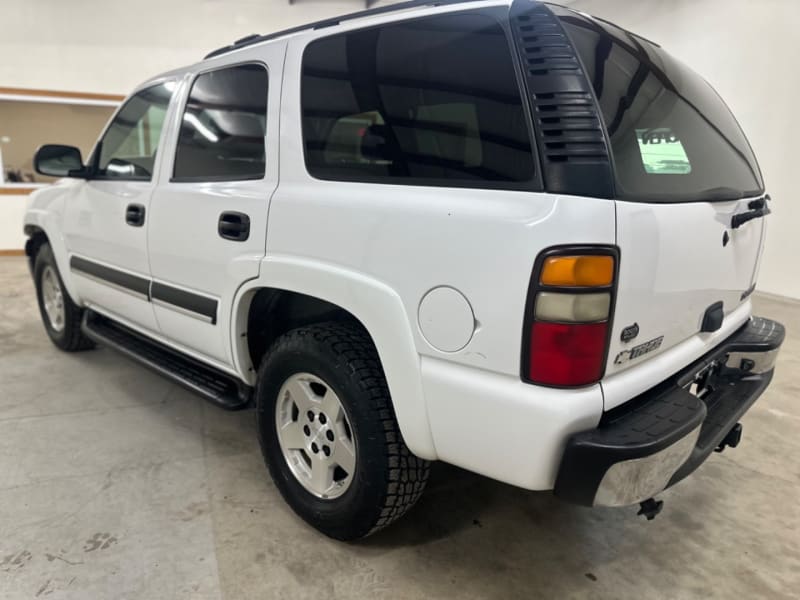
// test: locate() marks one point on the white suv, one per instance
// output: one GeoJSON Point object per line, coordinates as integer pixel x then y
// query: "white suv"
{"type": "Point", "coordinates": [504, 235]}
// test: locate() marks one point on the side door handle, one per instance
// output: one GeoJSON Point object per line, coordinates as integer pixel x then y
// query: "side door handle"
{"type": "Point", "coordinates": [134, 215]}
{"type": "Point", "coordinates": [234, 226]}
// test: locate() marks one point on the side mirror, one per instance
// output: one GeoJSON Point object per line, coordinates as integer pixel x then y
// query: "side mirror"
{"type": "Point", "coordinates": [56, 160]}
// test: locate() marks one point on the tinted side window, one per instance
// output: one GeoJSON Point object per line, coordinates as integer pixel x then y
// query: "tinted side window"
{"type": "Point", "coordinates": [128, 148]}
{"type": "Point", "coordinates": [223, 126]}
{"type": "Point", "coordinates": [433, 101]}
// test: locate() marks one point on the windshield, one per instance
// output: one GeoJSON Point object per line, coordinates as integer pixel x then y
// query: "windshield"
{"type": "Point", "coordinates": [672, 137]}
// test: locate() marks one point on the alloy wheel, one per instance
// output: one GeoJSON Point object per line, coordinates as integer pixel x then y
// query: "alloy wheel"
{"type": "Point", "coordinates": [315, 436]}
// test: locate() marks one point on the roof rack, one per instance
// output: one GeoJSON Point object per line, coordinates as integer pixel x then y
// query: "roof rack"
{"type": "Point", "coordinates": [257, 39]}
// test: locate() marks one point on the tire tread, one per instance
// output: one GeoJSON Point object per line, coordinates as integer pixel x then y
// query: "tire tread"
{"type": "Point", "coordinates": [74, 339]}
{"type": "Point", "coordinates": [407, 475]}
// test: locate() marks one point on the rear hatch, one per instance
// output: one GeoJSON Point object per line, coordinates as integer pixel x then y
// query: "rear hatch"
{"type": "Point", "coordinates": [684, 171]}
{"type": "Point", "coordinates": [677, 270]}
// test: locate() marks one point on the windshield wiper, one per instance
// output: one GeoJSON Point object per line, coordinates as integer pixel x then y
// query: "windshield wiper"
{"type": "Point", "coordinates": [758, 208]}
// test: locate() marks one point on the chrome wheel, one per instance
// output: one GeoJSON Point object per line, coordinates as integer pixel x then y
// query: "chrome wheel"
{"type": "Point", "coordinates": [53, 298]}
{"type": "Point", "coordinates": [315, 435]}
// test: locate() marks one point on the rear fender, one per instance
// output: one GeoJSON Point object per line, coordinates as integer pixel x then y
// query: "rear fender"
{"type": "Point", "coordinates": [378, 308]}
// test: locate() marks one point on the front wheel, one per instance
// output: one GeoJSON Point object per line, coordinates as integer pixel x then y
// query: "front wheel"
{"type": "Point", "coordinates": [329, 435]}
{"type": "Point", "coordinates": [60, 315]}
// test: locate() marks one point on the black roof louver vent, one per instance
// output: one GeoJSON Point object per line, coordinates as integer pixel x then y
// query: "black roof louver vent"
{"type": "Point", "coordinates": [567, 124]}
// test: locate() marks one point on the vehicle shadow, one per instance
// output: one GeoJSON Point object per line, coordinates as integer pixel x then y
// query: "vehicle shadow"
{"type": "Point", "coordinates": [482, 538]}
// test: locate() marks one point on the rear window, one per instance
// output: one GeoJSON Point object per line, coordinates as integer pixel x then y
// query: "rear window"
{"type": "Point", "coordinates": [431, 101]}
{"type": "Point", "coordinates": [672, 137]}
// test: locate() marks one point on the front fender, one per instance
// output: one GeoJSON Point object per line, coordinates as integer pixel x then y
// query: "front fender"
{"type": "Point", "coordinates": [45, 211]}
{"type": "Point", "coordinates": [378, 308]}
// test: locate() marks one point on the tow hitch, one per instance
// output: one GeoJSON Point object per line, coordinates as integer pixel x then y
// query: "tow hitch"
{"type": "Point", "coordinates": [732, 439]}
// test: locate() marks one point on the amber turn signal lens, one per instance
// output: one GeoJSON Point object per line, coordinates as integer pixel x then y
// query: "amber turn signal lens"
{"type": "Point", "coordinates": [578, 271]}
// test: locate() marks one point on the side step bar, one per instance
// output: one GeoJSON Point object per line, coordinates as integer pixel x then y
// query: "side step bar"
{"type": "Point", "coordinates": [213, 385]}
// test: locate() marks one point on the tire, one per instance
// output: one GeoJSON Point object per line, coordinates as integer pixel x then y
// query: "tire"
{"type": "Point", "coordinates": [64, 331]}
{"type": "Point", "coordinates": [385, 479]}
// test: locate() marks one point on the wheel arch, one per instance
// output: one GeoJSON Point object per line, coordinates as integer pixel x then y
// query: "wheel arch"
{"type": "Point", "coordinates": [40, 228]}
{"type": "Point", "coordinates": [36, 238]}
{"type": "Point", "coordinates": [301, 291]}
{"type": "Point", "coordinates": [44, 216]}
{"type": "Point", "coordinates": [273, 312]}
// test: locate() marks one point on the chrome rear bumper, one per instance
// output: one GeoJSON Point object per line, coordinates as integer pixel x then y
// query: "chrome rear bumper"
{"type": "Point", "coordinates": [652, 442]}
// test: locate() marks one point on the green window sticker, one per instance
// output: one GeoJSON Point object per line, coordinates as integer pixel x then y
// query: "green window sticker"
{"type": "Point", "coordinates": [662, 152]}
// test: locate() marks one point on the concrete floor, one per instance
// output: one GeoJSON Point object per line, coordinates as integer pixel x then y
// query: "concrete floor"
{"type": "Point", "coordinates": [114, 483]}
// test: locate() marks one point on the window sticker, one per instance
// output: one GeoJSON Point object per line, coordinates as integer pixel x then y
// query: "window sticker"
{"type": "Point", "coordinates": [662, 152]}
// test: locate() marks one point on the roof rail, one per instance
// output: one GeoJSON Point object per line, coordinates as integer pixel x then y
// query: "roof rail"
{"type": "Point", "coordinates": [256, 39]}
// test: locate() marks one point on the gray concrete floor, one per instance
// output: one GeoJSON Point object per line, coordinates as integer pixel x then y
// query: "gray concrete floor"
{"type": "Point", "coordinates": [116, 484]}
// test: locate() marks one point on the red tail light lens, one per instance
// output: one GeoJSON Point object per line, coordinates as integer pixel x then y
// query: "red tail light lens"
{"type": "Point", "coordinates": [567, 354]}
{"type": "Point", "coordinates": [569, 307]}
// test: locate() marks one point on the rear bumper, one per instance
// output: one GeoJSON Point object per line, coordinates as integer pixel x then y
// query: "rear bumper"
{"type": "Point", "coordinates": [657, 439]}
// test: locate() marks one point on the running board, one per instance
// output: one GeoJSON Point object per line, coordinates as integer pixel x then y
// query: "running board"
{"type": "Point", "coordinates": [220, 388]}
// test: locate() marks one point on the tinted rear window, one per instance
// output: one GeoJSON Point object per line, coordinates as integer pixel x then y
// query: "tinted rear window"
{"type": "Point", "coordinates": [431, 101]}
{"type": "Point", "coordinates": [672, 137]}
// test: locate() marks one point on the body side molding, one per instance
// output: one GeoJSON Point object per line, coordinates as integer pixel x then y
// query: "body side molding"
{"type": "Point", "coordinates": [188, 303]}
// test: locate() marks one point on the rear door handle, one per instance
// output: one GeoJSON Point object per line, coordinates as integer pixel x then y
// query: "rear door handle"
{"type": "Point", "coordinates": [134, 215]}
{"type": "Point", "coordinates": [234, 226]}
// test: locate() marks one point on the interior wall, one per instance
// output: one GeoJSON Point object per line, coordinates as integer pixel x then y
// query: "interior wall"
{"type": "Point", "coordinates": [12, 211]}
{"type": "Point", "coordinates": [109, 46]}
{"type": "Point", "coordinates": [747, 50]}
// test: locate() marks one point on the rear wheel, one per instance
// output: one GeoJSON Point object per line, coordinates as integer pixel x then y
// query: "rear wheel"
{"type": "Point", "coordinates": [329, 435]}
{"type": "Point", "coordinates": [60, 315]}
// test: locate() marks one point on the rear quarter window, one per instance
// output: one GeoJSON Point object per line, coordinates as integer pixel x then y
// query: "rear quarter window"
{"type": "Point", "coordinates": [431, 101]}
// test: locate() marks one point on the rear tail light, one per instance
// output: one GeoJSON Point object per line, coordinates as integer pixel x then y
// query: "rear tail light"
{"type": "Point", "coordinates": [572, 308]}
{"type": "Point", "coordinates": [568, 312]}
{"type": "Point", "coordinates": [578, 271]}
{"type": "Point", "coordinates": [567, 353]}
